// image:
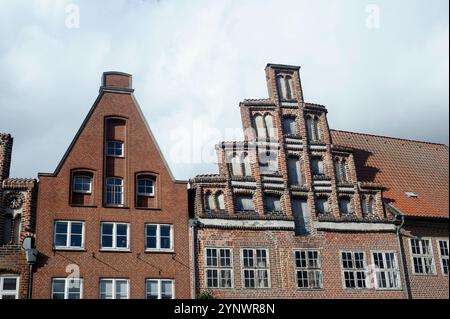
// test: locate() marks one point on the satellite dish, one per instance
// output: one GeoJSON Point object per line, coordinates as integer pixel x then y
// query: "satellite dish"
{"type": "Point", "coordinates": [27, 243]}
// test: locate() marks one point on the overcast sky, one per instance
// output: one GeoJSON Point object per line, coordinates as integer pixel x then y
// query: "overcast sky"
{"type": "Point", "coordinates": [194, 61]}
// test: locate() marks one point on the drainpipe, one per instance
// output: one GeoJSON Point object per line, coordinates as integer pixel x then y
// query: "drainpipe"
{"type": "Point", "coordinates": [398, 228]}
{"type": "Point", "coordinates": [193, 225]}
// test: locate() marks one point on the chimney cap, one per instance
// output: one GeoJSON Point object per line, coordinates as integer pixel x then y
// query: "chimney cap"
{"type": "Point", "coordinates": [282, 66]}
{"type": "Point", "coordinates": [118, 81]}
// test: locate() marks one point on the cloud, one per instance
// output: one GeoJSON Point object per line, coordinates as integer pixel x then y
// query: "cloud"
{"type": "Point", "coordinates": [193, 61]}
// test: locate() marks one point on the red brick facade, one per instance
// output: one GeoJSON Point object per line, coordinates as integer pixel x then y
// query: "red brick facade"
{"type": "Point", "coordinates": [115, 116]}
{"type": "Point", "coordinates": [17, 221]}
{"type": "Point", "coordinates": [343, 212]}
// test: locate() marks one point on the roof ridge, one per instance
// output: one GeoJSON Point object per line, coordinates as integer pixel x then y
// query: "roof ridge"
{"type": "Point", "coordinates": [391, 137]}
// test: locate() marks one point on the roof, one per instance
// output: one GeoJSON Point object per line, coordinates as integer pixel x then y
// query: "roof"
{"type": "Point", "coordinates": [402, 166]}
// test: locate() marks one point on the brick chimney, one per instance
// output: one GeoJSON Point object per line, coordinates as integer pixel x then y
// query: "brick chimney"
{"type": "Point", "coordinates": [6, 144]}
{"type": "Point", "coordinates": [117, 81]}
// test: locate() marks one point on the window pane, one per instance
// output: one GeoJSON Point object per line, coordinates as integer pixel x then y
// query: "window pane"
{"type": "Point", "coordinates": [166, 289]}
{"type": "Point", "coordinates": [121, 289]}
{"type": "Point", "coordinates": [151, 236]}
{"type": "Point", "coordinates": [152, 289]}
{"type": "Point", "coordinates": [60, 240]}
{"type": "Point", "coordinates": [61, 227]}
{"type": "Point", "coordinates": [58, 288]}
{"type": "Point", "coordinates": [9, 284]}
{"type": "Point", "coordinates": [106, 289]}
{"type": "Point", "coordinates": [165, 237]}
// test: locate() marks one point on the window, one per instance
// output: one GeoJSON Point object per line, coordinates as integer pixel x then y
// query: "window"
{"type": "Point", "coordinates": [443, 253]}
{"type": "Point", "coordinates": [345, 206]}
{"type": "Point", "coordinates": [264, 126]}
{"type": "Point", "coordinates": [285, 89]}
{"type": "Point", "coordinates": [209, 202]}
{"type": "Point", "coordinates": [115, 149]}
{"type": "Point", "coordinates": [218, 268]}
{"type": "Point", "coordinates": [308, 269]}
{"type": "Point", "coordinates": [69, 235]}
{"type": "Point", "coordinates": [7, 228]}
{"type": "Point", "coordinates": [236, 167]}
{"type": "Point", "coordinates": [159, 289]}
{"type": "Point", "coordinates": [354, 269]}
{"type": "Point", "coordinates": [115, 236]}
{"type": "Point", "coordinates": [221, 200]}
{"type": "Point", "coordinates": [268, 120]}
{"type": "Point", "coordinates": [272, 204]}
{"type": "Point", "coordinates": [289, 126]}
{"type": "Point", "coordinates": [312, 127]}
{"type": "Point", "coordinates": [322, 206]}
{"type": "Point", "coordinates": [246, 166]}
{"type": "Point", "coordinates": [145, 187]}
{"type": "Point", "coordinates": [386, 271]}
{"type": "Point", "coordinates": [301, 216]}
{"type": "Point", "coordinates": [422, 256]}
{"type": "Point", "coordinates": [260, 127]}
{"type": "Point", "coordinates": [255, 268]}
{"type": "Point", "coordinates": [294, 171]}
{"type": "Point", "coordinates": [158, 237]}
{"type": "Point", "coordinates": [9, 287]}
{"type": "Point", "coordinates": [244, 203]}
{"type": "Point", "coordinates": [82, 184]}
{"type": "Point", "coordinates": [268, 162]}
{"type": "Point", "coordinates": [67, 288]}
{"type": "Point", "coordinates": [340, 167]}
{"type": "Point", "coordinates": [317, 166]}
{"type": "Point", "coordinates": [114, 191]}
{"type": "Point", "coordinates": [114, 288]}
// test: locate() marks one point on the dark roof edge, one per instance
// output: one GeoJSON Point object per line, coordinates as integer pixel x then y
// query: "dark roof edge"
{"type": "Point", "coordinates": [282, 66]}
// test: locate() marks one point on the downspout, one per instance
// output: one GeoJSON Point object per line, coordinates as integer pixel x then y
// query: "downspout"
{"type": "Point", "coordinates": [30, 280]}
{"type": "Point", "coordinates": [193, 225]}
{"type": "Point", "coordinates": [398, 228]}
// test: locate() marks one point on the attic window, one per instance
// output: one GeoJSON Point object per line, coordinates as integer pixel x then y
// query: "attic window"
{"type": "Point", "coordinates": [411, 195]}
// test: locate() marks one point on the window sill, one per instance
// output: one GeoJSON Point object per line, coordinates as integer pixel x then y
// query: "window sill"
{"type": "Point", "coordinates": [425, 275]}
{"type": "Point", "coordinates": [82, 193]}
{"type": "Point", "coordinates": [115, 156]}
{"type": "Point", "coordinates": [148, 208]}
{"type": "Point", "coordinates": [309, 289]}
{"type": "Point", "coordinates": [68, 249]}
{"type": "Point", "coordinates": [112, 250]}
{"type": "Point", "coordinates": [85, 206]}
{"type": "Point", "coordinates": [116, 206]}
{"type": "Point", "coordinates": [159, 251]}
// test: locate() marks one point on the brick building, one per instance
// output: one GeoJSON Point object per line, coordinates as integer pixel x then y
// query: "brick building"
{"type": "Point", "coordinates": [301, 211]}
{"type": "Point", "coordinates": [17, 221]}
{"type": "Point", "coordinates": [112, 221]}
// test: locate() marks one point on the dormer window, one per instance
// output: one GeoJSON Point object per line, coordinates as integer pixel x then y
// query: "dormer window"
{"type": "Point", "coordinates": [115, 149]}
{"type": "Point", "coordinates": [82, 184]}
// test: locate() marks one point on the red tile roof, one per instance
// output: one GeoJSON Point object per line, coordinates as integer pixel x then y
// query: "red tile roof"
{"type": "Point", "coordinates": [402, 166]}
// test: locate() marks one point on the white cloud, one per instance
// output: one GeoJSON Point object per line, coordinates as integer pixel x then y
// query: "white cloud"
{"type": "Point", "coordinates": [193, 61]}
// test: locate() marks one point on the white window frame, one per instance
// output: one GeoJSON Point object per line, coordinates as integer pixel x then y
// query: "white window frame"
{"type": "Point", "coordinates": [114, 155]}
{"type": "Point", "coordinates": [422, 257]}
{"type": "Point", "coordinates": [308, 269]}
{"type": "Point", "coordinates": [160, 281]}
{"type": "Point", "coordinates": [376, 270]}
{"type": "Point", "coordinates": [441, 257]}
{"type": "Point", "coordinates": [122, 192]}
{"type": "Point", "coordinates": [14, 293]}
{"type": "Point", "coordinates": [218, 268]}
{"type": "Point", "coordinates": [114, 287]}
{"type": "Point", "coordinates": [255, 268]}
{"type": "Point", "coordinates": [69, 235]}
{"type": "Point", "coordinates": [145, 179]}
{"type": "Point", "coordinates": [66, 286]}
{"type": "Point", "coordinates": [354, 270]}
{"type": "Point", "coordinates": [158, 238]}
{"type": "Point", "coordinates": [82, 191]}
{"type": "Point", "coordinates": [114, 237]}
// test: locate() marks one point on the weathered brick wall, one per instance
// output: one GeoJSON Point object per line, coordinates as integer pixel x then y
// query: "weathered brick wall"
{"type": "Point", "coordinates": [13, 262]}
{"type": "Point", "coordinates": [426, 286]}
{"type": "Point", "coordinates": [281, 245]}
{"type": "Point", "coordinates": [142, 155]}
